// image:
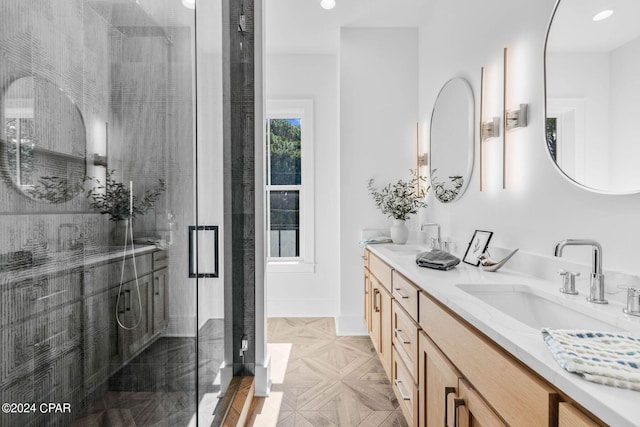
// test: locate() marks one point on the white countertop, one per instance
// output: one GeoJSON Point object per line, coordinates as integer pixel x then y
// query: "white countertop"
{"type": "Point", "coordinates": [66, 261]}
{"type": "Point", "coordinates": [615, 406]}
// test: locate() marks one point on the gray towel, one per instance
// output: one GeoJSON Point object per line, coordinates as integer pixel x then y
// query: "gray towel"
{"type": "Point", "coordinates": [437, 259]}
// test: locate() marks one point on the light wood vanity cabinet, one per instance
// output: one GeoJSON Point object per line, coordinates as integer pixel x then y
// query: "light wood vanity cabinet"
{"type": "Point", "coordinates": [443, 371]}
{"type": "Point", "coordinates": [379, 277]}
{"type": "Point", "coordinates": [516, 394]}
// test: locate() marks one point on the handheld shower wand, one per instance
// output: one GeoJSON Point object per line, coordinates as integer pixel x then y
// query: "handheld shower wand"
{"type": "Point", "coordinates": [129, 231]}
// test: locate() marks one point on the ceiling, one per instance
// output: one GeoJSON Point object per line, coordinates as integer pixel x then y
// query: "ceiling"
{"type": "Point", "coordinates": [573, 29]}
{"type": "Point", "coordinates": [302, 26]}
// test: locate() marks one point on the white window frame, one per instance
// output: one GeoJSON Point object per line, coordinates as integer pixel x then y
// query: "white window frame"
{"type": "Point", "coordinates": [294, 109]}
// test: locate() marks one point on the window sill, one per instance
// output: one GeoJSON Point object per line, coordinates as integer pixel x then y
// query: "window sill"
{"type": "Point", "coordinates": [290, 267]}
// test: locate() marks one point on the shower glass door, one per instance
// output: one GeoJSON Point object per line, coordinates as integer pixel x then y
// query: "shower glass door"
{"type": "Point", "coordinates": [100, 321]}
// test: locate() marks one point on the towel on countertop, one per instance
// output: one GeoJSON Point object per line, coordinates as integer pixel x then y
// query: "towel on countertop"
{"type": "Point", "coordinates": [378, 239]}
{"type": "Point", "coordinates": [437, 259]}
{"type": "Point", "coordinates": [602, 357]}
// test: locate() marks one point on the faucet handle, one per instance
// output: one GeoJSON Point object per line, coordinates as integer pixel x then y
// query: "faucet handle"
{"type": "Point", "coordinates": [569, 282]}
{"type": "Point", "coordinates": [633, 302]}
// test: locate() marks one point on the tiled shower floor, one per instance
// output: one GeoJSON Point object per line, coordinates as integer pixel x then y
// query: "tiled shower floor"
{"type": "Point", "coordinates": [157, 388]}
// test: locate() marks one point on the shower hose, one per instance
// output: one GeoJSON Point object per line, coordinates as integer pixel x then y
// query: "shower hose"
{"type": "Point", "coordinates": [128, 231]}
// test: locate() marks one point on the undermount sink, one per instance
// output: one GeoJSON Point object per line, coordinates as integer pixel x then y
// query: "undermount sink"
{"type": "Point", "coordinates": [406, 249]}
{"type": "Point", "coordinates": [533, 308]}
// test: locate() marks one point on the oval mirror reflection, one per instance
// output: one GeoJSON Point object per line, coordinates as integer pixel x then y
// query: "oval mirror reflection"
{"type": "Point", "coordinates": [451, 140]}
{"type": "Point", "coordinates": [43, 141]}
{"type": "Point", "coordinates": [592, 72]}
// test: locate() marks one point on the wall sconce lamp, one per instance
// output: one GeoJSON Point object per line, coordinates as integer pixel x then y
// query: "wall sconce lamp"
{"type": "Point", "coordinates": [490, 129]}
{"type": "Point", "coordinates": [421, 158]}
{"type": "Point", "coordinates": [517, 118]}
{"type": "Point", "coordinates": [328, 4]}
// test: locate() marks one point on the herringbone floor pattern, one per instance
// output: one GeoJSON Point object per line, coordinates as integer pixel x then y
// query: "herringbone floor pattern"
{"type": "Point", "coordinates": [321, 380]}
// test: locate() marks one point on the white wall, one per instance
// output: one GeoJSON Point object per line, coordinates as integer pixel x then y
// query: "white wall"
{"type": "Point", "coordinates": [539, 207]}
{"type": "Point", "coordinates": [378, 105]}
{"type": "Point", "coordinates": [311, 77]}
{"type": "Point", "coordinates": [625, 126]}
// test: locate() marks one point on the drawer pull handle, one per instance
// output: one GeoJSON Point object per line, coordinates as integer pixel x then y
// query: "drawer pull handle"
{"type": "Point", "coordinates": [376, 307]}
{"type": "Point", "coordinates": [402, 340]}
{"type": "Point", "coordinates": [447, 392]}
{"type": "Point", "coordinates": [157, 289]}
{"type": "Point", "coordinates": [397, 291]}
{"type": "Point", "coordinates": [404, 396]}
{"type": "Point", "coordinates": [457, 403]}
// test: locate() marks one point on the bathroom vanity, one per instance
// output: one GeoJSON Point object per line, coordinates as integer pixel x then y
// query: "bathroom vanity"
{"type": "Point", "coordinates": [61, 341]}
{"type": "Point", "coordinates": [451, 356]}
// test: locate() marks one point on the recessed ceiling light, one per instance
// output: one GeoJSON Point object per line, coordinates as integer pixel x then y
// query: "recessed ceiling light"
{"type": "Point", "coordinates": [328, 4]}
{"type": "Point", "coordinates": [189, 4]}
{"type": "Point", "coordinates": [602, 15]}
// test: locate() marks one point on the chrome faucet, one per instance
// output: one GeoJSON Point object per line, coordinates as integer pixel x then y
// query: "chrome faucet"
{"type": "Point", "coordinates": [433, 224]}
{"type": "Point", "coordinates": [596, 283]}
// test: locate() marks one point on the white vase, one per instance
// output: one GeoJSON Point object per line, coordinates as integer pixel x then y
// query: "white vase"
{"type": "Point", "coordinates": [399, 232]}
{"type": "Point", "coordinates": [118, 230]}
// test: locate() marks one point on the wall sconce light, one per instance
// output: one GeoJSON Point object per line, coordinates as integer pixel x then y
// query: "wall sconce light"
{"type": "Point", "coordinates": [490, 129]}
{"type": "Point", "coordinates": [328, 4]}
{"type": "Point", "coordinates": [517, 118]}
{"type": "Point", "coordinates": [421, 158]}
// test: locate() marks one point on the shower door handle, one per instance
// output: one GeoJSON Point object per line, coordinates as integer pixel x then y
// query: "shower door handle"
{"type": "Point", "coordinates": [203, 251]}
{"type": "Point", "coordinates": [121, 310]}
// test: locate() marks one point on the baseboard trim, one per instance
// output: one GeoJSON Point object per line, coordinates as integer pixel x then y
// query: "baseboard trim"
{"type": "Point", "coordinates": [263, 378]}
{"type": "Point", "coordinates": [350, 326]}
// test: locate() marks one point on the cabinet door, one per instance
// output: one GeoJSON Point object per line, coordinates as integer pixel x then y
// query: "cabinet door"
{"type": "Point", "coordinates": [386, 337]}
{"type": "Point", "coordinates": [160, 300]}
{"type": "Point", "coordinates": [570, 416]}
{"type": "Point", "coordinates": [97, 321]}
{"type": "Point", "coordinates": [376, 303]}
{"type": "Point", "coordinates": [437, 379]}
{"type": "Point", "coordinates": [470, 410]}
{"type": "Point", "coordinates": [116, 344]}
{"type": "Point", "coordinates": [381, 323]}
{"type": "Point", "coordinates": [138, 314]}
{"type": "Point", "coordinates": [367, 300]}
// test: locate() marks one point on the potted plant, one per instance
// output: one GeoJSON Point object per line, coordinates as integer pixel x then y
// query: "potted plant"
{"type": "Point", "coordinates": [399, 201]}
{"type": "Point", "coordinates": [113, 197]}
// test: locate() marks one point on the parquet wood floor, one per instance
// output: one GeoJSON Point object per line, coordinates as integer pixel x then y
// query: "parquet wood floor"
{"type": "Point", "coordinates": [321, 380]}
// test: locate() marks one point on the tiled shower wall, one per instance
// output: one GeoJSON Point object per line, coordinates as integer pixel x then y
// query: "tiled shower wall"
{"type": "Point", "coordinates": [132, 85]}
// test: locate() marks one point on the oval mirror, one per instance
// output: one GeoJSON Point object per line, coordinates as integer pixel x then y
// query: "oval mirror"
{"type": "Point", "coordinates": [42, 141]}
{"type": "Point", "coordinates": [451, 140]}
{"type": "Point", "coordinates": [592, 79]}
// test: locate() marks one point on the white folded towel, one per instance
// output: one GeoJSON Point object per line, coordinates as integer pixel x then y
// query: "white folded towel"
{"type": "Point", "coordinates": [602, 357]}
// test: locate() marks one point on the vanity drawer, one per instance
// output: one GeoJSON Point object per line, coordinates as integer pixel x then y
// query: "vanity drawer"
{"type": "Point", "coordinates": [405, 338]}
{"type": "Point", "coordinates": [405, 390]}
{"type": "Point", "coordinates": [521, 398]}
{"type": "Point", "coordinates": [365, 258]}
{"type": "Point", "coordinates": [143, 266]}
{"type": "Point", "coordinates": [381, 270]}
{"type": "Point", "coordinates": [406, 293]}
{"type": "Point", "coordinates": [160, 259]}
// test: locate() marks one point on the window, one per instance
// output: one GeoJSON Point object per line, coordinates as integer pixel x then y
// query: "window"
{"type": "Point", "coordinates": [289, 185]}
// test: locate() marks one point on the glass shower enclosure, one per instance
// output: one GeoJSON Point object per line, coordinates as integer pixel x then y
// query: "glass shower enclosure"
{"type": "Point", "coordinates": [104, 318]}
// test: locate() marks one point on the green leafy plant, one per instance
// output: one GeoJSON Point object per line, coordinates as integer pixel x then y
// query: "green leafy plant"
{"type": "Point", "coordinates": [54, 189]}
{"type": "Point", "coordinates": [446, 192]}
{"type": "Point", "coordinates": [402, 199]}
{"type": "Point", "coordinates": [112, 197]}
